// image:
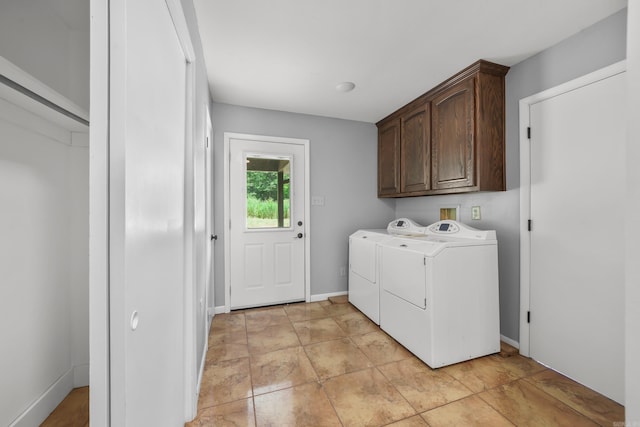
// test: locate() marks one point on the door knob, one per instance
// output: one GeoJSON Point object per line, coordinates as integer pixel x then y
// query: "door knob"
{"type": "Point", "coordinates": [299, 236]}
{"type": "Point", "coordinates": [299, 222]}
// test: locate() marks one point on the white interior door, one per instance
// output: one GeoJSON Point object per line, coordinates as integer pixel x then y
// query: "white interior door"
{"type": "Point", "coordinates": [148, 127]}
{"type": "Point", "coordinates": [577, 238]}
{"type": "Point", "coordinates": [267, 222]}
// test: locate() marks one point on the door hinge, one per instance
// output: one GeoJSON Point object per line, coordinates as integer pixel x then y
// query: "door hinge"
{"type": "Point", "coordinates": [424, 260]}
{"type": "Point", "coordinates": [529, 133]}
{"type": "Point", "coordinates": [425, 302]}
{"type": "Point", "coordinates": [529, 222]}
{"type": "Point", "coordinates": [528, 317]}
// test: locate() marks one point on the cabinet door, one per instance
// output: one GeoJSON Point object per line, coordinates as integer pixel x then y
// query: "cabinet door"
{"type": "Point", "coordinates": [452, 137]}
{"type": "Point", "coordinates": [415, 152]}
{"type": "Point", "coordinates": [389, 158]}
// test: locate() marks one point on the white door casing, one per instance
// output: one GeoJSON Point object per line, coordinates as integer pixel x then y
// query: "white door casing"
{"type": "Point", "coordinates": [210, 300]}
{"type": "Point", "coordinates": [572, 188]}
{"type": "Point", "coordinates": [265, 266]}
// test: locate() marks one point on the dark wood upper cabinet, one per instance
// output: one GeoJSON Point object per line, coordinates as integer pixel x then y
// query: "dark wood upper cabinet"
{"type": "Point", "coordinates": [451, 139]}
{"type": "Point", "coordinates": [389, 158]}
{"type": "Point", "coordinates": [415, 150]}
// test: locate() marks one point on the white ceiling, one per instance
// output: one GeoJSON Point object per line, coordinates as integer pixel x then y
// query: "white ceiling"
{"type": "Point", "coordinates": [289, 55]}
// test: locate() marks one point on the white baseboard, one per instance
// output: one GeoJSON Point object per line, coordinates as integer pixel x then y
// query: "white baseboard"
{"type": "Point", "coordinates": [220, 309]}
{"type": "Point", "coordinates": [201, 371]}
{"type": "Point", "coordinates": [81, 375]}
{"type": "Point", "coordinates": [40, 409]}
{"type": "Point", "coordinates": [322, 297]}
{"type": "Point", "coordinates": [509, 341]}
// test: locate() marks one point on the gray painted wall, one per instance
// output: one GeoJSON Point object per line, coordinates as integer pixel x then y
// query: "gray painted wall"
{"type": "Point", "coordinates": [593, 48]}
{"type": "Point", "coordinates": [40, 42]}
{"type": "Point", "coordinates": [343, 170]}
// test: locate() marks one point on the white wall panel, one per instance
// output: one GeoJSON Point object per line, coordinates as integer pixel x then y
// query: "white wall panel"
{"type": "Point", "coordinates": [43, 265]}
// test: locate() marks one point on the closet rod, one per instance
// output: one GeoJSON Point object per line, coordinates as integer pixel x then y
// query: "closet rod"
{"type": "Point", "coordinates": [41, 99]}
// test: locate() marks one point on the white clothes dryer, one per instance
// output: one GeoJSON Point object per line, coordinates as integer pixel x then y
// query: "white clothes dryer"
{"type": "Point", "coordinates": [439, 293]}
{"type": "Point", "coordinates": [364, 289]}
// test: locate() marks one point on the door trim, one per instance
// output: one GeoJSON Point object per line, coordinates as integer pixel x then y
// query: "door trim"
{"type": "Point", "coordinates": [227, 209]}
{"type": "Point", "coordinates": [525, 183]}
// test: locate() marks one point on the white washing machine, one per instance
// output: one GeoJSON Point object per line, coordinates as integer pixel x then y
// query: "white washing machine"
{"type": "Point", "coordinates": [364, 290]}
{"type": "Point", "coordinates": [439, 292]}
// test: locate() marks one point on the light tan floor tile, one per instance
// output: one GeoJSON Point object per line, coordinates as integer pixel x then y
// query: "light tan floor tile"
{"type": "Point", "coordinates": [470, 411]}
{"type": "Point", "coordinates": [355, 323]}
{"type": "Point", "coordinates": [366, 398]}
{"type": "Point", "coordinates": [339, 309]}
{"type": "Point", "coordinates": [305, 311]}
{"type": "Point", "coordinates": [336, 357]}
{"type": "Point", "coordinates": [483, 373]}
{"type": "Point", "coordinates": [228, 322]}
{"type": "Point", "coordinates": [226, 351]}
{"type": "Point", "coordinates": [524, 404]}
{"type": "Point", "coordinates": [259, 319]}
{"type": "Point", "coordinates": [423, 387]}
{"type": "Point", "coordinates": [339, 299]}
{"type": "Point", "coordinates": [317, 330]}
{"type": "Point", "coordinates": [593, 405]}
{"type": "Point", "coordinates": [227, 337]}
{"type": "Point", "coordinates": [325, 303]}
{"type": "Point", "coordinates": [518, 365]}
{"type": "Point", "coordinates": [281, 369]}
{"type": "Point", "coordinates": [73, 411]}
{"type": "Point", "coordinates": [272, 338]}
{"type": "Point", "coordinates": [303, 405]}
{"type": "Point", "coordinates": [415, 421]}
{"type": "Point", "coordinates": [380, 348]}
{"type": "Point", "coordinates": [238, 413]}
{"type": "Point", "coordinates": [224, 382]}
{"type": "Point", "coordinates": [507, 350]}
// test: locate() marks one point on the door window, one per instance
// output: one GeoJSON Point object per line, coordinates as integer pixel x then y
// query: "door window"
{"type": "Point", "coordinates": [268, 198]}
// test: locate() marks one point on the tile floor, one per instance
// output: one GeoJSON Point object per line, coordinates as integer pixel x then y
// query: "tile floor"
{"type": "Point", "coordinates": [326, 364]}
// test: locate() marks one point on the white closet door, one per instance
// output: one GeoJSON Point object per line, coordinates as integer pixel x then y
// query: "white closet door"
{"type": "Point", "coordinates": [577, 237]}
{"type": "Point", "coordinates": [147, 216]}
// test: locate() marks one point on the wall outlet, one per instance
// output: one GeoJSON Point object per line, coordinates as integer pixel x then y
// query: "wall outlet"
{"type": "Point", "coordinates": [343, 271]}
{"type": "Point", "coordinates": [475, 212]}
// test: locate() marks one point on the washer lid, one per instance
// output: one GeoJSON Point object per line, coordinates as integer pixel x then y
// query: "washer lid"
{"type": "Point", "coordinates": [416, 244]}
{"type": "Point", "coordinates": [371, 235]}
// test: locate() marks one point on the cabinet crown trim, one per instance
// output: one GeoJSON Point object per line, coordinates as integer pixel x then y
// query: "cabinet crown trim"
{"type": "Point", "coordinates": [480, 66]}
